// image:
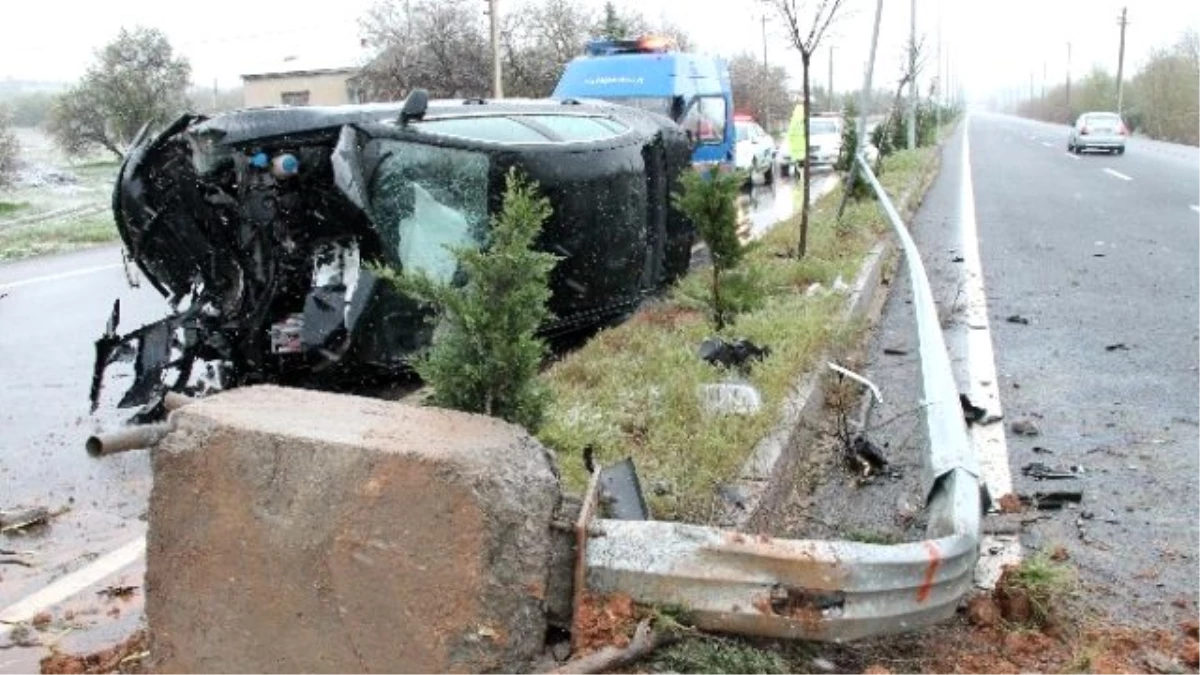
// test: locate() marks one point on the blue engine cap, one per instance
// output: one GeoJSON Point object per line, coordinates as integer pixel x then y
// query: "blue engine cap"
{"type": "Point", "coordinates": [260, 160]}
{"type": "Point", "coordinates": [287, 163]}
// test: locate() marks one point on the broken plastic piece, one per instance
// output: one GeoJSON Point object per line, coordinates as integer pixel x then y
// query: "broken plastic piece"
{"type": "Point", "coordinates": [736, 354]}
{"type": "Point", "coordinates": [1052, 500]}
{"type": "Point", "coordinates": [1040, 471]}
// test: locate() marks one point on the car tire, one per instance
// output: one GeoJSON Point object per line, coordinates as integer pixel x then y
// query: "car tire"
{"type": "Point", "coordinates": [769, 176]}
{"type": "Point", "coordinates": [1120, 151]}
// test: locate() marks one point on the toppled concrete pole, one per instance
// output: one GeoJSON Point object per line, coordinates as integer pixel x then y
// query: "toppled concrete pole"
{"type": "Point", "coordinates": [299, 531]}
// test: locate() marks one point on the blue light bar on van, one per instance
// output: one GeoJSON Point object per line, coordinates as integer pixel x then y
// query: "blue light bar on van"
{"type": "Point", "coordinates": [649, 44]}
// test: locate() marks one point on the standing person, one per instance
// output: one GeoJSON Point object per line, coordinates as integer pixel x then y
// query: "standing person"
{"type": "Point", "coordinates": [797, 137]}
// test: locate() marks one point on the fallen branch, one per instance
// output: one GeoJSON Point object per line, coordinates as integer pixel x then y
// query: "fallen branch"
{"type": "Point", "coordinates": [605, 660]}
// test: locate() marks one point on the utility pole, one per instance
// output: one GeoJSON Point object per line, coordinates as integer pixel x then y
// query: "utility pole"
{"type": "Point", "coordinates": [941, 83]}
{"type": "Point", "coordinates": [1043, 84]}
{"type": "Point", "coordinates": [1069, 121]}
{"type": "Point", "coordinates": [861, 124]}
{"type": "Point", "coordinates": [830, 90]}
{"type": "Point", "coordinates": [912, 83]}
{"type": "Point", "coordinates": [1122, 22]}
{"type": "Point", "coordinates": [766, 76]}
{"type": "Point", "coordinates": [494, 20]}
{"type": "Point", "coordinates": [214, 107]}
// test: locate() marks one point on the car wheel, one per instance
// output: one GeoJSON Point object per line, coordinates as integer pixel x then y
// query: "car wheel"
{"type": "Point", "coordinates": [769, 176]}
{"type": "Point", "coordinates": [1120, 151]}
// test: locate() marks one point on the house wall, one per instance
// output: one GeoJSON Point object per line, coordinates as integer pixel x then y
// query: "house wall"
{"type": "Point", "coordinates": [323, 89]}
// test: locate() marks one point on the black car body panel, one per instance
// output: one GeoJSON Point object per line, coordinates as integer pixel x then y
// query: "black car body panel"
{"type": "Point", "coordinates": [261, 228]}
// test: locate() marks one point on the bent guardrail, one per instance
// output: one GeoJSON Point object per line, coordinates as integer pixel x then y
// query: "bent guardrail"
{"type": "Point", "coordinates": [820, 590]}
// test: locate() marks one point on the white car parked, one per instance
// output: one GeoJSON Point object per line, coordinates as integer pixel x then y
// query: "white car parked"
{"type": "Point", "coordinates": [754, 151]}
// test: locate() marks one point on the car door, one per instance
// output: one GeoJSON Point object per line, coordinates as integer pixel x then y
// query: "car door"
{"type": "Point", "coordinates": [763, 146]}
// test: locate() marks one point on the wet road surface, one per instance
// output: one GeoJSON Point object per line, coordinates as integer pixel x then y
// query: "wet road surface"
{"type": "Point", "coordinates": [1089, 330]}
{"type": "Point", "coordinates": [51, 312]}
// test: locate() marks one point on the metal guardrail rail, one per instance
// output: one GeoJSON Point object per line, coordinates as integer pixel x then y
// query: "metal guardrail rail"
{"type": "Point", "coordinates": [820, 590]}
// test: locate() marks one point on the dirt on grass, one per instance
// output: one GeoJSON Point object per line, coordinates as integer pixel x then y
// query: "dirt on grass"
{"type": "Point", "coordinates": [602, 621]}
{"type": "Point", "coordinates": [127, 656]}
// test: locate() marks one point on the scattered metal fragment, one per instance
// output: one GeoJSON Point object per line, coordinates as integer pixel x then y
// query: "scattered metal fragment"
{"type": "Point", "coordinates": [895, 351]}
{"type": "Point", "coordinates": [1042, 450]}
{"type": "Point", "coordinates": [957, 259]}
{"type": "Point", "coordinates": [1040, 471]}
{"type": "Point", "coordinates": [117, 591]}
{"type": "Point", "coordinates": [1119, 346]}
{"type": "Point", "coordinates": [1017, 318]}
{"type": "Point", "coordinates": [971, 412]}
{"type": "Point", "coordinates": [974, 414]}
{"type": "Point", "coordinates": [1052, 501]}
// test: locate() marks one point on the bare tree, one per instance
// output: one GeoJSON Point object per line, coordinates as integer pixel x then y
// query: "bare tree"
{"type": "Point", "coordinates": [805, 27]}
{"type": "Point", "coordinates": [538, 40]}
{"type": "Point", "coordinates": [760, 91]}
{"type": "Point", "coordinates": [136, 79]}
{"type": "Point", "coordinates": [439, 45]}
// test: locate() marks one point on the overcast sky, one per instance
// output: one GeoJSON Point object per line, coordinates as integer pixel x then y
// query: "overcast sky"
{"type": "Point", "coordinates": [990, 43]}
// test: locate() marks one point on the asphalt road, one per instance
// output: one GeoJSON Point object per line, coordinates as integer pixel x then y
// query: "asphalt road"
{"type": "Point", "coordinates": [51, 312]}
{"type": "Point", "coordinates": [1097, 261]}
{"type": "Point", "coordinates": [1100, 253]}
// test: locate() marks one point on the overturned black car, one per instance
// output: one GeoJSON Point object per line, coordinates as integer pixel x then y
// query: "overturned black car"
{"type": "Point", "coordinates": [260, 227]}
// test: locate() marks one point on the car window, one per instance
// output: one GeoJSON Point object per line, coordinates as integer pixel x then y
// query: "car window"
{"type": "Point", "coordinates": [493, 129]}
{"type": "Point", "coordinates": [705, 120]}
{"type": "Point", "coordinates": [654, 104]}
{"type": "Point", "coordinates": [577, 127]}
{"type": "Point", "coordinates": [743, 132]}
{"type": "Point", "coordinates": [427, 198]}
{"type": "Point", "coordinates": [819, 126]}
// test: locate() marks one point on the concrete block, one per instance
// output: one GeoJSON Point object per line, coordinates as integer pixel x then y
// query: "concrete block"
{"type": "Point", "coordinates": [299, 531]}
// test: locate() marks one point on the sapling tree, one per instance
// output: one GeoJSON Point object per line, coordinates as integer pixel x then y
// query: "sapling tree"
{"type": "Point", "coordinates": [486, 353]}
{"type": "Point", "coordinates": [709, 200]}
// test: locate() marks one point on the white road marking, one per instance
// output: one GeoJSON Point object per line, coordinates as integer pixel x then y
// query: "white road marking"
{"type": "Point", "coordinates": [60, 275]}
{"type": "Point", "coordinates": [104, 566]}
{"type": "Point", "coordinates": [1047, 144]}
{"type": "Point", "coordinates": [1195, 208]}
{"type": "Point", "coordinates": [1117, 174]}
{"type": "Point", "coordinates": [1072, 156]}
{"type": "Point", "coordinates": [989, 441]}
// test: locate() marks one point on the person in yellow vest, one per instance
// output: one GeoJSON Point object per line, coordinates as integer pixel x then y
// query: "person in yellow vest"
{"type": "Point", "coordinates": [797, 137]}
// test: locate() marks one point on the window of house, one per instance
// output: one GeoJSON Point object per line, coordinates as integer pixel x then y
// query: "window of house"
{"type": "Point", "coordinates": [294, 97]}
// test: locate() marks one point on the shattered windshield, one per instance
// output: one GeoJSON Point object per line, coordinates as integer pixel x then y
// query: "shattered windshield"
{"type": "Point", "coordinates": [427, 200]}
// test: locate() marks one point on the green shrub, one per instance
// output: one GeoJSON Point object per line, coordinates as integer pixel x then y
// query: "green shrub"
{"type": "Point", "coordinates": [485, 354]}
{"type": "Point", "coordinates": [709, 200]}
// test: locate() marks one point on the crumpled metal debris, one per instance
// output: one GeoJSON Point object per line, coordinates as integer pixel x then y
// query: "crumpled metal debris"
{"type": "Point", "coordinates": [1041, 471]}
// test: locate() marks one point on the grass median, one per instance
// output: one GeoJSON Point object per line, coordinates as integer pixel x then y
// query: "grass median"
{"type": "Point", "coordinates": [633, 390]}
{"type": "Point", "coordinates": [58, 236]}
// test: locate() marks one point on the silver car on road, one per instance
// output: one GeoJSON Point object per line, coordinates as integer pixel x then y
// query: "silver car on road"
{"type": "Point", "coordinates": [1098, 131]}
